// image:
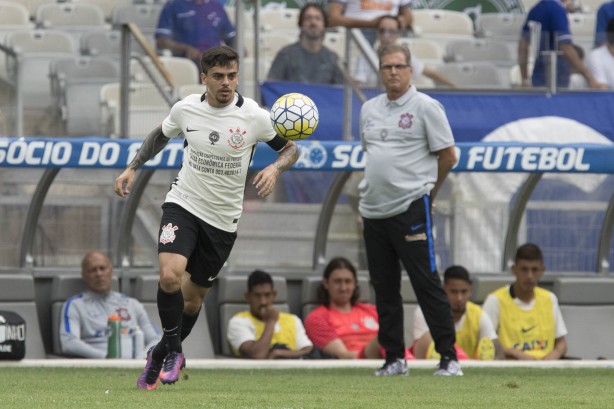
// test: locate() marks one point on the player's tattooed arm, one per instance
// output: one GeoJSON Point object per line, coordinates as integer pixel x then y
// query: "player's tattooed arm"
{"type": "Point", "coordinates": [152, 145]}
{"type": "Point", "coordinates": [287, 156]}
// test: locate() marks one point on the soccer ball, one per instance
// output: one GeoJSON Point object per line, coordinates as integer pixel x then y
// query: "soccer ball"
{"type": "Point", "coordinates": [294, 116]}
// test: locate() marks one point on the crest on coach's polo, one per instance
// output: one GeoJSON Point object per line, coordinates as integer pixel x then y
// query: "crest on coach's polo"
{"type": "Point", "coordinates": [168, 234]}
{"type": "Point", "coordinates": [406, 121]}
{"type": "Point", "coordinates": [237, 139]}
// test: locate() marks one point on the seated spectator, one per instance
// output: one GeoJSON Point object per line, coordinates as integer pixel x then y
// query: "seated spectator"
{"type": "Point", "coordinates": [527, 318]}
{"type": "Point", "coordinates": [343, 327]}
{"type": "Point", "coordinates": [604, 14]}
{"type": "Point", "coordinates": [388, 32]}
{"type": "Point", "coordinates": [263, 332]}
{"type": "Point", "coordinates": [600, 61]}
{"type": "Point", "coordinates": [475, 335]}
{"type": "Point", "coordinates": [308, 60]}
{"type": "Point", "coordinates": [365, 14]}
{"type": "Point", "coordinates": [189, 27]}
{"type": "Point", "coordinates": [83, 329]}
{"type": "Point", "coordinates": [555, 36]}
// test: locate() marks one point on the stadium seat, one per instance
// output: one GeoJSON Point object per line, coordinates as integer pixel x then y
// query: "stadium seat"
{"type": "Point", "coordinates": [272, 19]}
{"type": "Point", "coordinates": [189, 89]}
{"type": "Point", "coordinates": [335, 40]}
{"type": "Point", "coordinates": [73, 82]}
{"type": "Point", "coordinates": [198, 345]}
{"type": "Point", "coordinates": [309, 293]}
{"type": "Point", "coordinates": [37, 48]}
{"type": "Point", "coordinates": [17, 295]}
{"type": "Point", "coordinates": [32, 5]}
{"type": "Point", "coordinates": [13, 17]}
{"type": "Point", "coordinates": [442, 23]}
{"type": "Point", "coordinates": [145, 16]}
{"type": "Point", "coordinates": [582, 27]}
{"type": "Point", "coordinates": [591, 6]}
{"type": "Point", "coordinates": [73, 18]}
{"type": "Point", "coordinates": [587, 305]}
{"type": "Point", "coordinates": [475, 75]}
{"type": "Point", "coordinates": [484, 284]}
{"type": "Point", "coordinates": [183, 71]}
{"type": "Point", "coordinates": [500, 26]}
{"type": "Point", "coordinates": [424, 49]}
{"type": "Point", "coordinates": [487, 50]}
{"type": "Point", "coordinates": [106, 6]}
{"type": "Point", "coordinates": [102, 43]}
{"type": "Point", "coordinates": [231, 300]}
{"type": "Point", "coordinates": [528, 5]}
{"type": "Point", "coordinates": [272, 42]}
{"type": "Point", "coordinates": [64, 286]}
{"type": "Point", "coordinates": [147, 107]}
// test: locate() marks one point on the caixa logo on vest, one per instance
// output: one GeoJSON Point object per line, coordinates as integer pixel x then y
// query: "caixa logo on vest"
{"type": "Point", "coordinates": [12, 335]}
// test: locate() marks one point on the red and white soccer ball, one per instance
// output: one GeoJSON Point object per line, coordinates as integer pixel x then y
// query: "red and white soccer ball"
{"type": "Point", "coordinates": [294, 116]}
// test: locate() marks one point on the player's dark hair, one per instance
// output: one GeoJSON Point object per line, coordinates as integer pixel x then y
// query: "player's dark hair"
{"type": "Point", "coordinates": [301, 15]}
{"type": "Point", "coordinates": [456, 273]}
{"type": "Point", "coordinates": [394, 48]}
{"type": "Point", "coordinates": [335, 264]}
{"type": "Point", "coordinates": [610, 31]}
{"type": "Point", "coordinates": [389, 17]}
{"type": "Point", "coordinates": [529, 252]}
{"type": "Point", "coordinates": [221, 56]}
{"type": "Point", "coordinates": [258, 277]}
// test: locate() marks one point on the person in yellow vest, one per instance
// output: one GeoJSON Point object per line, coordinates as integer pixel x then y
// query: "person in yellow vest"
{"type": "Point", "coordinates": [527, 318]}
{"type": "Point", "coordinates": [263, 332]}
{"type": "Point", "coordinates": [475, 334]}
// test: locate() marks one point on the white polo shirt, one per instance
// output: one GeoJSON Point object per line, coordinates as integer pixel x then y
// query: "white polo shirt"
{"type": "Point", "coordinates": [219, 145]}
{"type": "Point", "coordinates": [400, 138]}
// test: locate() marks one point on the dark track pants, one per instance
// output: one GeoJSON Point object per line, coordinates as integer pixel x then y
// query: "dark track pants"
{"type": "Point", "coordinates": [407, 237]}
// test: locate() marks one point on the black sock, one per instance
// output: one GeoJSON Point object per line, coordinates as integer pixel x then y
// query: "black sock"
{"type": "Point", "coordinates": [187, 323]}
{"type": "Point", "coordinates": [159, 351]}
{"type": "Point", "coordinates": [170, 308]}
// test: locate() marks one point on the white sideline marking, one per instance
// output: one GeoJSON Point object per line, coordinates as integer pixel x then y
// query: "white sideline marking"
{"type": "Point", "coordinates": [294, 364]}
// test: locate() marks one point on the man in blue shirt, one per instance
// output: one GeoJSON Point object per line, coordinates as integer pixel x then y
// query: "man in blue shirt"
{"type": "Point", "coordinates": [190, 27]}
{"type": "Point", "coordinates": [604, 14]}
{"type": "Point", "coordinates": [555, 36]}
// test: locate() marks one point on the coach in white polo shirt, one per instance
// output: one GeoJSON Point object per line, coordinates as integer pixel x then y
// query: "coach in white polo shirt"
{"type": "Point", "coordinates": [205, 201]}
{"type": "Point", "coordinates": [410, 150]}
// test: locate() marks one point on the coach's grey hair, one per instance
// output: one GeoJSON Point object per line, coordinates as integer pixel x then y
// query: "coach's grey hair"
{"type": "Point", "coordinates": [394, 48]}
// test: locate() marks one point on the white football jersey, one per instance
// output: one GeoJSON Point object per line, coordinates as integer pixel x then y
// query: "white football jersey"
{"type": "Point", "coordinates": [219, 144]}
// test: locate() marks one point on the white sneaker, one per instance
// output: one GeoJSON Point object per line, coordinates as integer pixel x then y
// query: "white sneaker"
{"type": "Point", "coordinates": [398, 367]}
{"type": "Point", "coordinates": [451, 369]}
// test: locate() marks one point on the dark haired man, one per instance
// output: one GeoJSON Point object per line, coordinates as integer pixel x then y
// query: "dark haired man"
{"type": "Point", "coordinates": [527, 318]}
{"type": "Point", "coordinates": [204, 203]}
{"type": "Point", "coordinates": [308, 60]}
{"type": "Point", "coordinates": [475, 335]}
{"type": "Point", "coordinates": [263, 332]}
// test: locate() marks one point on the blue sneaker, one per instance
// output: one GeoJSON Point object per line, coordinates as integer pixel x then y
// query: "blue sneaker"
{"type": "Point", "coordinates": [149, 377]}
{"type": "Point", "coordinates": [173, 364]}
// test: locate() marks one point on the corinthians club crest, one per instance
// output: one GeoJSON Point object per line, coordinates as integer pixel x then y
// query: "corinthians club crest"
{"type": "Point", "coordinates": [236, 139]}
{"type": "Point", "coordinates": [168, 234]}
{"type": "Point", "coordinates": [406, 121]}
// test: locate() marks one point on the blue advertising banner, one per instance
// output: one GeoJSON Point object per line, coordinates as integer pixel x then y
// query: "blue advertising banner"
{"type": "Point", "coordinates": [314, 155]}
{"type": "Point", "coordinates": [472, 115]}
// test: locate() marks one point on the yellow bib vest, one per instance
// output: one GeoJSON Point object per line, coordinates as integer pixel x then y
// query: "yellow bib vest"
{"type": "Point", "coordinates": [285, 329]}
{"type": "Point", "coordinates": [467, 336]}
{"type": "Point", "coordinates": [531, 332]}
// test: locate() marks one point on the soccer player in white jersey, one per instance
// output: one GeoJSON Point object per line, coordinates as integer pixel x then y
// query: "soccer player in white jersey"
{"type": "Point", "coordinates": [201, 211]}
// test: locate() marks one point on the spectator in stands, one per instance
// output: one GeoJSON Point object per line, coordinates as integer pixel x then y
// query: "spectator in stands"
{"type": "Point", "coordinates": [263, 332]}
{"type": "Point", "coordinates": [341, 326]}
{"type": "Point", "coordinates": [189, 27]}
{"type": "Point", "coordinates": [555, 36]}
{"type": "Point", "coordinates": [600, 61]}
{"type": "Point", "coordinates": [527, 318]}
{"type": "Point", "coordinates": [605, 14]}
{"type": "Point", "coordinates": [83, 329]}
{"type": "Point", "coordinates": [475, 335]}
{"type": "Point", "coordinates": [365, 14]}
{"type": "Point", "coordinates": [388, 32]}
{"type": "Point", "coordinates": [308, 60]}
{"type": "Point", "coordinates": [409, 151]}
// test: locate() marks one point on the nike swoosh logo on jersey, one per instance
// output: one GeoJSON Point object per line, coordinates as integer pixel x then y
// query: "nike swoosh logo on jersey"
{"type": "Point", "coordinates": [525, 330]}
{"type": "Point", "coordinates": [190, 130]}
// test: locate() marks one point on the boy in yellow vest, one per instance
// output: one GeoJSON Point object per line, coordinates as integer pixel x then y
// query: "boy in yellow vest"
{"type": "Point", "coordinates": [263, 332]}
{"type": "Point", "coordinates": [475, 334]}
{"type": "Point", "coordinates": [528, 318]}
